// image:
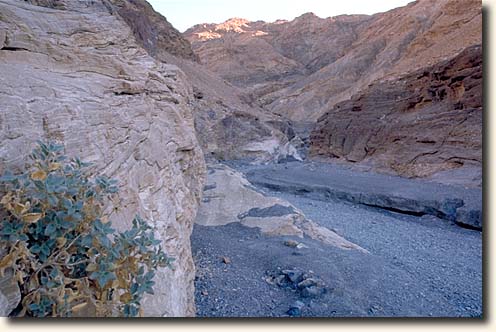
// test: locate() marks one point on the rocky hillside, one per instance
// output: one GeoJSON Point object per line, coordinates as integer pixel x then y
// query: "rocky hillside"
{"type": "Point", "coordinates": [226, 125]}
{"type": "Point", "coordinates": [417, 125]}
{"type": "Point", "coordinates": [303, 67]}
{"type": "Point", "coordinates": [229, 128]}
{"type": "Point", "coordinates": [72, 71]}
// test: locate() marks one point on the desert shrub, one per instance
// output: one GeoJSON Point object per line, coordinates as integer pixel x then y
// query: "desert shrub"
{"type": "Point", "coordinates": [66, 258]}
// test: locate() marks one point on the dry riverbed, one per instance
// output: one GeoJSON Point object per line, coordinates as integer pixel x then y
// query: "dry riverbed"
{"type": "Point", "coordinates": [416, 266]}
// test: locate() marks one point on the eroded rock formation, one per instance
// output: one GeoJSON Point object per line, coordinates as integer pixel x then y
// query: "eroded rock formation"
{"type": "Point", "coordinates": [152, 30]}
{"type": "Point", "coordinates": [229, 128]}
{"type": "Point", "coordinates": [229, 197]}
{"type": "Point", "coordinates": [72, 71]}
{"type": "Point", "coordinates": [416, 125]}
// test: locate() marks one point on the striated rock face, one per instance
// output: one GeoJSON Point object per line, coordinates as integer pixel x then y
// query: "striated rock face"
{"type": "Point", "coordinates": [419, 124]}
{"type": "Point", "coordinates": [303, 67]}
{"type": "Point", "coordinates": [74, 73]}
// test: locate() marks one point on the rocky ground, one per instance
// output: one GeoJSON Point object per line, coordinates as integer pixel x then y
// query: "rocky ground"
{"type": "Point", "coordinates": [415, 266]}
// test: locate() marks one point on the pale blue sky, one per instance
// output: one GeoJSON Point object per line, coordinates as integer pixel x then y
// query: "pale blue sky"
{"type": "Point", "coordinates": [183, 14]}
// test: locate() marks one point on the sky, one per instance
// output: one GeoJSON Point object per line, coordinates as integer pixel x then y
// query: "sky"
{"type": "Point", "coordinates": [183, 14]}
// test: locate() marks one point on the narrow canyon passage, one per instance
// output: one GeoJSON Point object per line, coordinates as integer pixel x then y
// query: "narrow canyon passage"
{"type": "Point", "coordinates": [260, 137]}
{"type": "Point", "coordinates": [416, 266]}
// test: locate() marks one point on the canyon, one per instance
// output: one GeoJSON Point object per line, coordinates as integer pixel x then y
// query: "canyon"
{"type": "Point", "coordinates": [236, 137]}
{"type": "Point", "coordinates": [303, 69]}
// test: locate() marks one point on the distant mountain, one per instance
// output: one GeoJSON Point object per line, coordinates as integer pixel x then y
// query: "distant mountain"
{"type": "Point", "coordinates": [301, 68]}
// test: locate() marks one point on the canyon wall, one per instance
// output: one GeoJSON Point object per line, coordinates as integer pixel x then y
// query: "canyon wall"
{"type": "Point", "coordinates": [72, 71]}
{"type": "Point", "coordinates": [423, 123]}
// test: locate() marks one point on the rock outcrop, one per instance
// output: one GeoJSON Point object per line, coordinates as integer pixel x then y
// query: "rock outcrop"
{"type": "Point", "coordinates": [303, 67]}
{"type": "Point", "coordinates": [152, 30]}
{"type": "Point", "coordinates": [324, 181]}
{"type": "Point", "coordinates": [228, 128]}
{"type": "Point", "coordinates": [229, 197]}
{"type": "Point", "coordinates": [72, 71]}
{"type": "Point", "coordinates": [416, 125]}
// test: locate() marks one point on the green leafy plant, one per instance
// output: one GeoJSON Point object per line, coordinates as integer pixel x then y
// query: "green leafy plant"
{"type": "Point", "coordinates": [66, 258]}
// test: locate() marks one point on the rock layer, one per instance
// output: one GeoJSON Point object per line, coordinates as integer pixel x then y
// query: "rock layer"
{"type": "Point", "coordinates": [72, 71]}
{"type": "Point", "coordinates": [417, 125]}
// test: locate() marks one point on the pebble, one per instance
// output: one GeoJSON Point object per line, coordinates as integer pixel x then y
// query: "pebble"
{"type": "Point", "coordinates": [307, 283]}
{"type": "Point", "coordinates": [294, 275]}
{"type": "Point", "coordinates": [291, 243]}
{"type": "Point", "coordinates": [268, 280]}
{"type": "Point", "coordinates": [226, 260]}
{"type": "Point", "coordinates": [375, 308]}
{"type": "Point", "coordinates": [298, 305]}
{"type": "Point", "coordinates": [312, 291]}
{"type": "Point", "coordinates": [301, 246]}
{"type": "Point", "coordinates": [280, 280]}
{"type": "Point", "coordinates": [294, 312]}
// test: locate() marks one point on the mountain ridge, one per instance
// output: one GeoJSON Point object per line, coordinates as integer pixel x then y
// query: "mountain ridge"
{"type": "Point", "coordinates": [278, 62]}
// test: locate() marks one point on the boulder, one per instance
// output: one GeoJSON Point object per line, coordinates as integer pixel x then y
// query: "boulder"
{"type": "Point", "coordinates": [10, 295]}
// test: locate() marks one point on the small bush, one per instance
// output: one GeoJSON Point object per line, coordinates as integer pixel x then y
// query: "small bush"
{"type": "Point", "coordinates": [67, 260]}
